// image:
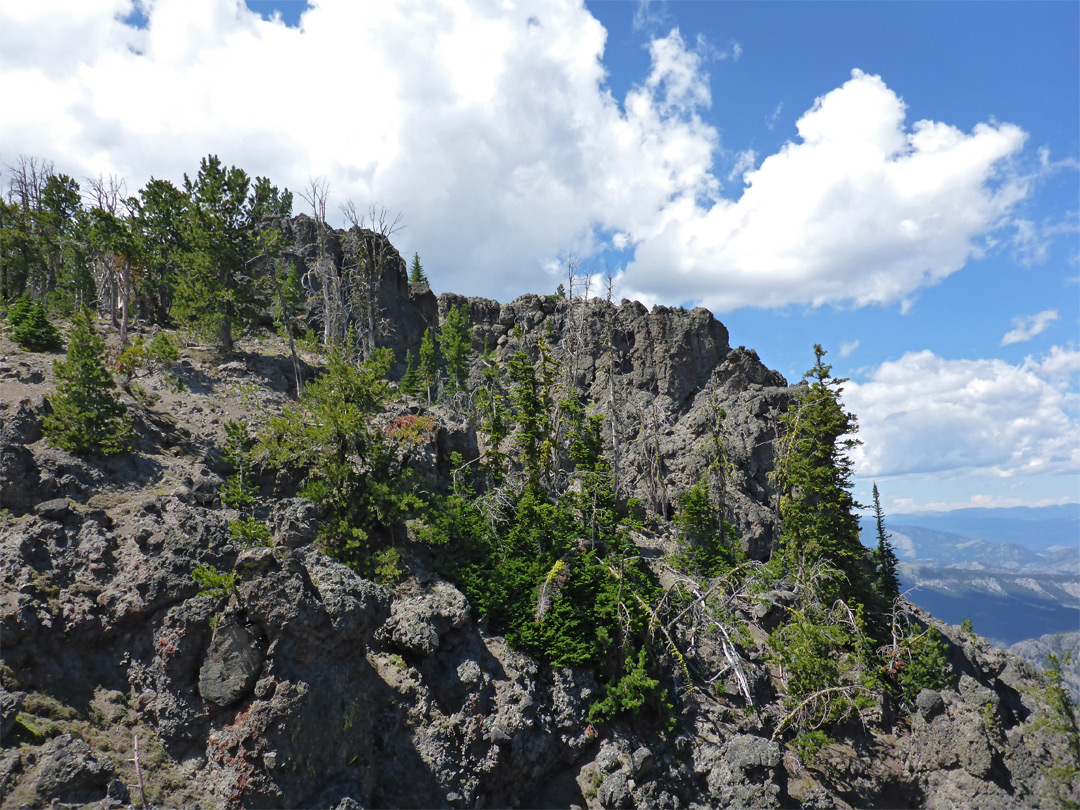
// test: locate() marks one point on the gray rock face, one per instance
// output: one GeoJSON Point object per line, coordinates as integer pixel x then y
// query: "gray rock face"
{"type": "Point", "coordinates": [67, 770]}
{"type": "Point", "coordinates": [659, 378]}
{"type": "Point", "coordinates": [417, 623]}
{"type": "Point", "coordinates": [10, 704]}
{"type": "Point", "coordinates": [232, 665]}
{"type": "Point", "coordinates": [294, 522]}
{"type": "Point", "coordinates": [930, 704]}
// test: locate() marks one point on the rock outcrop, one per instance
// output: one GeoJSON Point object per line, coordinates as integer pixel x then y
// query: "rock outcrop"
{"type": "Point", "coordinates": [301, 684]}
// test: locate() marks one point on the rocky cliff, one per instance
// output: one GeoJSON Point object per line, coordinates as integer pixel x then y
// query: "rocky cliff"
{"type": "Point", "coordinates": [302, 684]}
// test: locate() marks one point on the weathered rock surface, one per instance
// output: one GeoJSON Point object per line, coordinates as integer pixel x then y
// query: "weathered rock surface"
{"type": "Point", "coordinates": [310, 686]}
{"type": "Point", "coordinates": [660, 378]}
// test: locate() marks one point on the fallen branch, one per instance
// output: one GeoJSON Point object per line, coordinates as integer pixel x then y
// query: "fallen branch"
{"type": "Point", "coordinates": [138, 774]}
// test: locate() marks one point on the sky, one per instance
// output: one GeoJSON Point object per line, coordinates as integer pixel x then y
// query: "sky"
{"type": "Point", "coordinates": [899, 182]}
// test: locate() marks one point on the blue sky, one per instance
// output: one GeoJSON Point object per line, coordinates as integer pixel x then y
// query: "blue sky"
{"type": "Point", "coordinates": [897, 181]}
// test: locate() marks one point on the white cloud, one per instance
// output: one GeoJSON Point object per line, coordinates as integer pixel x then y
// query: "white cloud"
{"type": "Point", "coordinates": [491, 127]}
{"type": "Point", "coordinates": [774, 116]}
{"type": "Point", "coordinates": [903, 506]}
{"type": "Point", "coordinates": [861, 211]}
{"type": "Point", "coordinates": [1060, 364]}
{"type": "Point", "coordinates": [1030, 246]}
{"type": "Point", "coordinates": [678, 71]}
{"type": "Point", "coordinates": [744, 162]}
{"type": "Point", "coordinates": [924, 415]}
{"type": "Point", "coordinates": [1025, 328]}
{"type": "Point", "coordinates": [646, 15]}
{"type": "Point", "coordinates": [847, 349]}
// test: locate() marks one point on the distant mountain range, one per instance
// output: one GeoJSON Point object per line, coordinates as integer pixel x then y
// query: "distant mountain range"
{"type": "Point", "coordinates": [1014, 572]}
{"type": "Point", "coordinates": [1037, 528]}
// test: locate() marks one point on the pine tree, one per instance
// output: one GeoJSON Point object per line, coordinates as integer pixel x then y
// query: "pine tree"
{"type": "Point", "coordinates": [410, 383]}
{"type": "Point", "coordinates": [87, 419]}
{"type": "Point", "coordinates": [455, 340]}
{"type": "Point", "coordinates": [429, 365]}
{"type": "Point", "coordinates": [218, 289]}
{"type": "Point", "coordinates": [885, 556]}
{"type": "Point", "coordinates": [416, 272]}
{"type": "Point", "coordinates": [31, 328]}
{"type": "Point", "coordinates": [814, 474]}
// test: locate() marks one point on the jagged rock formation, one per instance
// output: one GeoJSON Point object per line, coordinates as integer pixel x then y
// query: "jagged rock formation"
{"type": "Point", "coordinates": [656, 375]}
{"type": "Point", "coordinates": [657, 378]}
{"type": "Point", "coordinates": [308, 686]}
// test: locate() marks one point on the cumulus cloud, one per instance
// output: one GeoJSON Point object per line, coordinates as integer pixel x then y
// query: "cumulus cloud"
{"type": "Point", "coordinates": [492, 128]}
{"type": "Point", "coordinates": [1025, 328]}
{"type": "Point", "coordinates": [489, 126]}
{"type": "Point", "coordinates": [925, 415]}
{"type": "Point", "coordinates": [861, 210]}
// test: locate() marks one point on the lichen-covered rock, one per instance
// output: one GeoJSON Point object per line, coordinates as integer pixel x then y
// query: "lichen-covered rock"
{"type": "Point", "coordinates": [294, 522]}
{"type": "Point", "coordinates": [66, 770]}
{"type": "Point", "coordinates": [417, 623]}
{"type": "Point", "coordinates": [232, 665]}
{"type": "Point", "coordinates": [10, 704]}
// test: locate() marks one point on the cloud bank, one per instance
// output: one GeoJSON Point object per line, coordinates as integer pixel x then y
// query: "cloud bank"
{"type": "Point", "coordinates": [925, 415]}
{"type": "Point", "coordinates": [491, 127]}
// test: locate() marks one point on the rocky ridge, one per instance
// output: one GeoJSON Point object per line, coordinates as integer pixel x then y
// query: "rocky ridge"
{"type": "Point", "coordinates": [308, 686]}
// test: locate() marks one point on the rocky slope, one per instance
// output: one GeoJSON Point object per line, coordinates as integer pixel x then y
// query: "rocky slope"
{"type": "Point", "coordinates": [308, 686]}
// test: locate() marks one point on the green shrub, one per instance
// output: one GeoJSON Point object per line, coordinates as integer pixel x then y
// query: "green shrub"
{"type": "Point", "coordinates": [250, 532]}
{"type": "Point", "coordinates": [157, 355]}
{"type": "Point", "coordinates": [215, 583]}
{"type": "Point", "coordinates": [388, 568]}
{"type": "Point", "coordinates": [239, 491]}
{"type": "Point", "coordinates": [919, 662]}
{"type": "Point", "coordinates": [633, 693]}
{"type": "Point", "coordinates": [1060, 717]}
{"type": "Point", "coordinates": [705, 549]}
{"type": "Point", "coordinates": [809, 745]}
{"type": "Point", "coordinates": [822, 655]}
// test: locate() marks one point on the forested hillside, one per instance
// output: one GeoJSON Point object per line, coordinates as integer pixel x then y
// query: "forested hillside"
{"type": "Point", "coordinates": [312, 536]}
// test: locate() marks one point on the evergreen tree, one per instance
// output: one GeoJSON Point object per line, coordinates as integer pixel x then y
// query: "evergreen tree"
{"type": "Point", "coordinates": [157, 221]}
{"type": "Point", "coordinates": [410, 383]}
{"type": "Point", "coordinates": [455, 340]}
{"type": "Point", "coordinates": [416, 272]}
{"type": "Point", "coordinates": [885, 556]}
{"type": "Point", "coordinates": [87, 418]}
{"type": "Point", "coordinates": [30, 324]}
{"type": "Point", "coordinates": [62, 224]}
{"type": "Point", "coordinates": [350, 468]}
{"type": "Point", "coordinates": [813, 477]}
{"type": "Point", "coordinates": [217, 289]}
{"type": "Point", "coordinates": [429, 365]}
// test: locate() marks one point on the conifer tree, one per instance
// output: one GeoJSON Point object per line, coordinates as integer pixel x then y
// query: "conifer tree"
{"type": "Point", "coordinates": [217, 290]}
{"type": "Point", "coordinates": [87, 419]}
{"type": "Point", "coordinates": [410, 383]}
{"type": "Point", "coordinates": [31, 327]}
{"type": "Point", "coordinates": [814, 473]}
{"type": "Point", "coordinates": [885, 556]}
{"type": "Point", "coordinates": [416, 272]}
{"type": "Point", "coordinates": [429, 365]}
{"type": "Point", "coordinates": [455, 340]}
